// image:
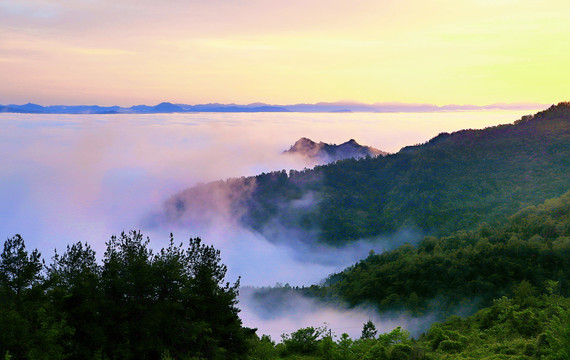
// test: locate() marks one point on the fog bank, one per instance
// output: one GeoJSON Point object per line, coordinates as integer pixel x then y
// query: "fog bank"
{"type": "Point", "coordinates": [293, 311]}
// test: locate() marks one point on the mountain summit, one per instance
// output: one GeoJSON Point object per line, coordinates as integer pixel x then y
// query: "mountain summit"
{"type": "Point", "coordinates": [325, 153]}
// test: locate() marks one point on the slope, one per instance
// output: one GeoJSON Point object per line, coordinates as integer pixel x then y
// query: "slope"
{"type": "Point", "coordinates": [533, 246]}
{"type": "Point", "coordinates": [454, 181]}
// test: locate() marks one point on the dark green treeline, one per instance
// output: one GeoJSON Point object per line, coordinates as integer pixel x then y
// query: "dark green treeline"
{"type": "Point", "coordinates": [135, 305]}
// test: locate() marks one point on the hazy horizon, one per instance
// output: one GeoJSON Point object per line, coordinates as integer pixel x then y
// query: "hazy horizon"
{"type": "Point", "coordinates": [391, 106]}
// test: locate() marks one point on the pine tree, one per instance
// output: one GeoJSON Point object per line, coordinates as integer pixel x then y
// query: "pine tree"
{"type": "Point", "coordinates": [368, 330]}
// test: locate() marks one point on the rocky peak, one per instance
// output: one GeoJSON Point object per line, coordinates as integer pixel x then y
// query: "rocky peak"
{"type": "Point", "coordinates": [324, 153]}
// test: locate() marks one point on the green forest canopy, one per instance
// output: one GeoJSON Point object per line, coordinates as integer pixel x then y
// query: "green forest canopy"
{"type": "Point", "coordinates": [135, 305]}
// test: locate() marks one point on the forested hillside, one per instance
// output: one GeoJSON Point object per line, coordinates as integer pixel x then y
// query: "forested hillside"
{"type": "Point", "coordinates": [515, 273]}
{"type": "Point", "coordinates": [533, 246]}
{"type": "Point", "coordinates": [454, 181]}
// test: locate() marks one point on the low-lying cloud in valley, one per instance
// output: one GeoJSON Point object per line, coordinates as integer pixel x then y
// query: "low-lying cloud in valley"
{"type": "Point", "coordinates": [289, 311]}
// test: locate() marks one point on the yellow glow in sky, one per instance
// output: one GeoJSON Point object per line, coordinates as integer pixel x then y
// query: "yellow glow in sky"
{"type": "Point", "coordinates": [131, 52]}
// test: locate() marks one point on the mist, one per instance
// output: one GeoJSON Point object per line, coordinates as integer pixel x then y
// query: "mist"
{"type": "Point", "coordinates": [69, 178]}
{"type": "Point", "coordinates": [287, 311]}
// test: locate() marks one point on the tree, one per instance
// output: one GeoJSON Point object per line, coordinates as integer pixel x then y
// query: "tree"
{"type": "Point", "coordinates": [263, 349]}
{"type": "Point", "coordinates": [214, 302]}
{"type": "Point", "coordinates": [20, 294]}
{"type": "Point", "coordinates": [176, 301]}
{"type": "Point", "coordinates": [368, 330]}
{"type": "Point", "coordinates": [345, 347]}
{"type": "Point", "coordinates": [303, 341]}
{"type": "Point", "coordinates": [128, 289]}
{"type": "Point", "coordinates": [18, 271]}
{"type": "Point", "coordinates": [74, 291]}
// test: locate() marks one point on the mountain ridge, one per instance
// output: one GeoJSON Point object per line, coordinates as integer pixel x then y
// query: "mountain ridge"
{"type": "Point", "coordinates": [454, 181]}
{"type": "Point", "coordinates": [330, 107]}
{"type": "Point", "coordinates": [325, 153]}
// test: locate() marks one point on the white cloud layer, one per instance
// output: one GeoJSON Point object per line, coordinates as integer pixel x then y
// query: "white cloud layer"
{"type": "Point", "coordinates": [69, 178]}
{"type": "Point", "coordinates": [65, 178]}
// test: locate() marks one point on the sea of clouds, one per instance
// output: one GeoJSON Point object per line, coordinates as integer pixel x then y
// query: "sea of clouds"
{"type": "Point", "coordinates": [69, 178]}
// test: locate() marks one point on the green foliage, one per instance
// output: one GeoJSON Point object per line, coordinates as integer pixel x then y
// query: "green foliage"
{"type": "Point", "coordinates": [505, 329]}
{"type": "Point", "coordinates": [327, 348]}
{"type": "Point", "coordinates": [368, 330]}
{"type": "Point", "coordinates": [20, 292]}
{"type": "Point", "coordinates": [303, 341]}
{"type": "Point", "coordinates": [135, 305]}
{"type": "Point", "coordinates": [306, 344]}
{"type": "Point", "coordinates": [376, 351]}
{"type": "Point", "coordinates": [450, 346]}
{"type": "Point", "coordinates": [491, 333]}
{"type": "Point", "coordinates": [492, 261]}
{"type": "Point", "coordinates": [557, 336]}
{"type": "Point", "coordinates": [263, 349]}
{"type": "Point", "coordinates": [396, 336]}
{"type": "Point", "coordinates": [19, 272]}
{"type": "Point", "coordinates": [400, 352]}
{"type": "Point", "coordinates": [344, 347]}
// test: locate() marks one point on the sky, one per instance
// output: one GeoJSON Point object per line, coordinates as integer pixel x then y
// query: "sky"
{"type": "Point", "coordinates": [131, 52]}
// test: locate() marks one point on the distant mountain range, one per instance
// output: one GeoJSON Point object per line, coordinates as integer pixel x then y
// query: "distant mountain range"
{"type": "Point", "coordinates": [162, 108]}
{"type": "Point", "coordinates": [333, 107]}
{"type": "Point", "coordinates": [324, 153]}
